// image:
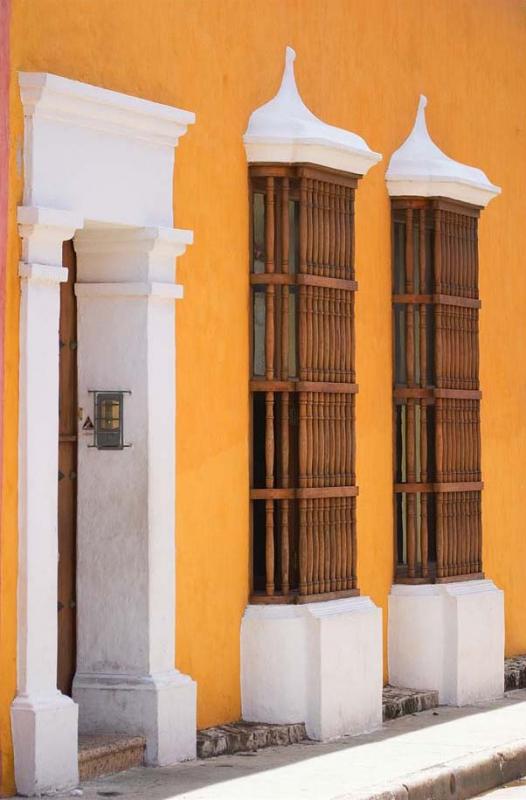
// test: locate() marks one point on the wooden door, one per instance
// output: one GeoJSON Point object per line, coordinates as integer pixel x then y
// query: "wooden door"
{"type": "Point", "coordinates": [67, 476]}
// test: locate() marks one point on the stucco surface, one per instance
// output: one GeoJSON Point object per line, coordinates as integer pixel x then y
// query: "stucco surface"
{"type": "Point", "coordinates": [361, 65]}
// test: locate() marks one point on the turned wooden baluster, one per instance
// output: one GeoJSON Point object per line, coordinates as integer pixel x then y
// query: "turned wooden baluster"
{"type": "Point", "coordinates": [423, 306]}
{"type": "Point", "coordinates": [308, 483]}
{"type": "Point", "coordinates": [269, 483]}
{"type": "Point", "coordinates": [466, 336]}
{"type": "Point", "coordinates": [326, 229]}
{"type": "Point", "coordinates": [340, 448]}
{"type": "Point", "coordinates": [466, 533]}
{"type": "Point", "coordinates": [424, 546]}
{"type": "Point", "coordinates": [352, 574]}
{"type": "Point", "coordinates": [332, 229]}
{"type": "Point", "coordinates": [309, 332]}
{"type": "Point", "coordinates": [315, 228]}
{"type": "Point", "coordinates": [469, 532]}
{"type": "Point", "coordinates": [344, 233]}
{"type": "Point", "coordinates": [424, 532]}
{"type": "Point", "coordinates": [410, 366]}
{"type": "Point", "coordinates": [439, 441]}
{"type": "Point", "coordinates": [302, 483]}
{"type": "Point", "coordinates": [466, 281]}
{"type": "Point", "coordinates": [310, 225]}
{"type": "Point", "coordinates": [324, 451]}
{"type": "Point", "coordinates": [269, 396]}
{"type": "Point", "coordinates": [285, 397]}
{"type": "Point", "coordinates": [451, 538]}
{"type": "Point", "coordinates": [315, 482]}
{"type": "Point", "coordinates": [339, 232]}
{"type": "Point", "coordinates": [305, 568]}
{"type": "Point", "coordinates": [332, 504]}
{"type": "Point", "coordinates": [351, 223]}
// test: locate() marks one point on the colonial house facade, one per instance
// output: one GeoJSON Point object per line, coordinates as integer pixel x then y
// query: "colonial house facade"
{"type": "Point", "coordinates": [262, 425]}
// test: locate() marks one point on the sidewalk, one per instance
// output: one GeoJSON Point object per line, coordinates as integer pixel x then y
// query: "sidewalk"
{"type": "Point", "coordinates": [446, 753]}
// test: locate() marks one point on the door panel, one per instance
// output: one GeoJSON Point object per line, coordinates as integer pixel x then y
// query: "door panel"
{"type": "Point", "coordinates": [67, 476]}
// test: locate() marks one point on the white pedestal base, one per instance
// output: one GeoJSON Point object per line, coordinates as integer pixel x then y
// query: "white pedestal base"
{"type": "Point", "coordinates": [160, 707]}
{"type": "Point", "coordinates": [318, 663]}
{"type": "Point", "coordinates": [45, 736]}
{"type": "Point", "coordinates": [448, 637]}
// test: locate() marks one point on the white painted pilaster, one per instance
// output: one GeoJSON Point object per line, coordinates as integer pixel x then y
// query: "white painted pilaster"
{"type": "Point", "coordinates": [126, 678]}
{"type": "Point", "coordinates": [44, 721]}
{"type": "Point", "coordinates": [448, 637]}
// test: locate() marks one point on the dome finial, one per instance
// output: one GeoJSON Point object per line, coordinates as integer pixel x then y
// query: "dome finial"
{"type": "Point", "coordinates": [290, 55]}
{"type": "Point", "coordinates": [422, 103]}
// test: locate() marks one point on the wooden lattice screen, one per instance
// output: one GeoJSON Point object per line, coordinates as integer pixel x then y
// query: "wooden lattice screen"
{"type": "Point", "coordinates": [436, 395]}
{"type": "Point", "coordinates": [303, 488]}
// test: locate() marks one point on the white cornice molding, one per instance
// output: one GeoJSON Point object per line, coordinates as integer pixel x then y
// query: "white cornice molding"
{"type": "Point", "coordinates": [142, 261]}
{"type": "Point", "coordinates": [160, 289]}
{"type": "Point", "coordinates": [48, 217]}
{"type": "Point", "coordinates": [55, 97]}
{"type": "Point", "coordinates": [42, 273]}
{"type": "Point", "coordinates": [43, 230]}
{"type": "Point", "coordinates": [420, 169]}
{"type": "Point", "coordinates": [156, 241]}
{"type": "Point", "coordinates": [284, 130]}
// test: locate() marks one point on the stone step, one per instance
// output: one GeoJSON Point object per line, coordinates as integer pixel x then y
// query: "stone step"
{"type": "Point", "coordinates": [239, 737]}
{"type": "Point", "coordinates": [515, 673]}
{"type": "Point", "coordinates": [398, 702]}
{"type": "Point", "coordinates": [105, 754]}
{"type": "Point", "coordinates": [246, 737]}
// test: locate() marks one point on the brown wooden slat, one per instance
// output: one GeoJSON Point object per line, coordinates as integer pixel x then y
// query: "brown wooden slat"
{"type": "Point", "coordinates": [458, 394]}
{"type": "Point", "coordinates": [328, 491]}
{"type": "Point", "coordinates": [261, 385]}
{"type": "Point", "coordinates": [272, 278]}
{"type": "Point", "coordinates": [329, 595]}
{"type": "Point", "coordinates": [461, 486]}
{"type": "Point", "coordinates": [258, 598]}
{"type": "Point", "coordinates": [400, 393]}
{"type": "Point", "coordinates": [472, 576]}
{"type": "Point", "coordinates": [430, 299]}
{"type": "Point", "coordinates": [327, 282]}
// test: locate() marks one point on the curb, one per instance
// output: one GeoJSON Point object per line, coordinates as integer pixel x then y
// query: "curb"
{"type": "Point", "coordinates": [459, 779]}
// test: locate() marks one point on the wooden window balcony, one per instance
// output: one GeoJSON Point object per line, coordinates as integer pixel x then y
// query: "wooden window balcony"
{"type": "Point", "coordinates": [436, 409]}
{"type": "Point", "coordinates": [303, 486]}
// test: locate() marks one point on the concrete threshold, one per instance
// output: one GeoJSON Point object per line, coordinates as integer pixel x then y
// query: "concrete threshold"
{"type": "Point", "coordinates": [439, 754]}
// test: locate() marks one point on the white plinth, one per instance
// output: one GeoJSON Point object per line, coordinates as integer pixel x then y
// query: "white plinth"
{"type": "Point", "coordinates": [318, 663]}
{"type": "Point", "coordinates": [448, 637]}
{"type": "Point", "coordinates": [45, 732]}
{"type": "Point", "coordinates": [160, 707]}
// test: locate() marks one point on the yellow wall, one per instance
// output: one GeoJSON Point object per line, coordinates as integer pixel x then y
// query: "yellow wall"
{"type": "Point", "coordinates": [361, 65]}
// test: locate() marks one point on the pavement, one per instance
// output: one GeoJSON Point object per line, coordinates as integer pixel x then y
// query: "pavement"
{"type": "Point", "coordinates": [440, 754]}
{"type": "Point", "coordinates": [513, 791]}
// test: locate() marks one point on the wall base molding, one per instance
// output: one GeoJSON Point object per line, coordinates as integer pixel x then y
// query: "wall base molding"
{"type": "Point", "coordinates": [160, 707]}
{"type": "Point", "coordinates": [44, 731]}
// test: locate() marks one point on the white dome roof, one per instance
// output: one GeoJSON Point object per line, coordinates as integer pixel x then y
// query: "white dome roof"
{"type": "Point", "coordinates": [284, 130]}
{"type": "Point", "coordinates": [420, 169]}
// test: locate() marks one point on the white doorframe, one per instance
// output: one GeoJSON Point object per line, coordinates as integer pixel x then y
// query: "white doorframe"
{"type": "Point", "coordinates": [98, 164]}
